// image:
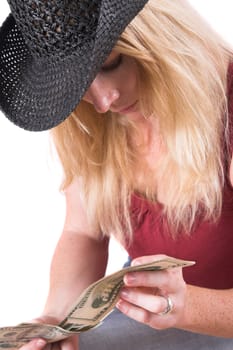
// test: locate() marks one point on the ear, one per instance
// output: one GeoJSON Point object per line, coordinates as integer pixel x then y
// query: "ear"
{"type": "Point", "coordinates": [231, 171]}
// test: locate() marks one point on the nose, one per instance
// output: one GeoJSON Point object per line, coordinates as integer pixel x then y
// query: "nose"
{"type": "Point", "coordinates": [102, 94]}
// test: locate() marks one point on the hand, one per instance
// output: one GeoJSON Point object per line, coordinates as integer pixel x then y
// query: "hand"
{"type": "Point", "coordinates": [144, 296]}
{"type": "Point", "coordinates": [70, 343]}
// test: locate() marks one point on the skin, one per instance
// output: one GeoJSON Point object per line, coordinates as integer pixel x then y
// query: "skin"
{"type": "Point", "coordinates": [115, 87]}
{"type": "Point", "coordinates": [74, 265]}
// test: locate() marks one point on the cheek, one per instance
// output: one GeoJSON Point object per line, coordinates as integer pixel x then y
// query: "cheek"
{"type": "Point", "coordinates": [129, 82]}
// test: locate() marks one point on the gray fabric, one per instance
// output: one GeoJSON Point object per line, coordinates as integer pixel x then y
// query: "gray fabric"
{"type": "Point", "coordinates": [50, 52]}
{"type": "Point", "coordinates": [120, 332]}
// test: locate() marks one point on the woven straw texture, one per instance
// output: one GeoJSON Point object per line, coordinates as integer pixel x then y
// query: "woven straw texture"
{"type": "Point", "coordinates": [50, 52]}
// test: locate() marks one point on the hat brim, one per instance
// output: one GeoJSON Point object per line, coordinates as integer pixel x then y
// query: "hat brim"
{"type": "Point", "coordinates": [37, 94]}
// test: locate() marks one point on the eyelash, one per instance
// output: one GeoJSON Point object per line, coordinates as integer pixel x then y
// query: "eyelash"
{"type": "Point", "coordinates": [112, 66]}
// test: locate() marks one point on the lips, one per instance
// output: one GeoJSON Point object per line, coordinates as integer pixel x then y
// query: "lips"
{"type": "Point", "coordinates": [126, 109]}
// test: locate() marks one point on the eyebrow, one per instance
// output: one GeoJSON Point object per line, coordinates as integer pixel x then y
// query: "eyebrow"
{"type": "Point", "coordinates": [113, 63]}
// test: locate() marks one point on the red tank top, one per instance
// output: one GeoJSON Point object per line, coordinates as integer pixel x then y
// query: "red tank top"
{"type": "Point", "coordinates": [210, 245]}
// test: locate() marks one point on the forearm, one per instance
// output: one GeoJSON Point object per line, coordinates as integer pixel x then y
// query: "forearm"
{"type": "Point", "coordinates": [208, 311]}
{"type": "Point", "coordinates": [194, 309]}
{"type": "Point", "coordinates": [77, 262]}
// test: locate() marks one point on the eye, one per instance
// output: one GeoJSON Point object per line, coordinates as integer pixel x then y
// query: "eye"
{"type": "Point", "coordinates": [112, 65]}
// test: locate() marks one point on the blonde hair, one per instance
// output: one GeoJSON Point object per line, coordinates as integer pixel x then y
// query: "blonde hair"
{"type": "Point", "coordinates": [183, 67]}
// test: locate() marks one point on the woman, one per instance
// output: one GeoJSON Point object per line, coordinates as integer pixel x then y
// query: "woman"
{"type": "Point", "coordinates": [147, 157]}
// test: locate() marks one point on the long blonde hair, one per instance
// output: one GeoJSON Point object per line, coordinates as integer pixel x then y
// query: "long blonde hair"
{"type": "Point", "coordinates": [183, 67]}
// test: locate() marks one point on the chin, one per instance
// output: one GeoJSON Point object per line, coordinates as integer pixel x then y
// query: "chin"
{"type": "Point", "coordinates": [136, 116]}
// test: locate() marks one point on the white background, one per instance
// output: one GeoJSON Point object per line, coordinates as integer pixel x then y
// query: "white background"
{"type": "Point", "coordinates": [32, 209]}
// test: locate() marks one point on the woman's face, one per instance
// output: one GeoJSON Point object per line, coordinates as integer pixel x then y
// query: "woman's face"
{"type": "Point", "coordinates": [115, 87]}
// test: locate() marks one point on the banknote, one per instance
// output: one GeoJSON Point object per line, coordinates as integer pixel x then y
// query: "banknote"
{"type": "Point", "coordinates": [89, 310]}
{"type": "Point", "coordinates": [14, 337]}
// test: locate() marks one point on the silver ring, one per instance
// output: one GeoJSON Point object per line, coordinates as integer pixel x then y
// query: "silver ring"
{"type": "Point", "coordinates": [169, 307]}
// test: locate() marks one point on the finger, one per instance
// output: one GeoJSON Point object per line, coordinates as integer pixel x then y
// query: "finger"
{"type": "Point", "coordinates": [144, 316]}
{"type": "Point", "coordinates": [54, 346]}
{"type": "Point", "coordinates": [148, 259]}
{"type": "Point", "coordinates": [152, 303]}
{"type": "Point", "coordinates": [35, 344]}
{"type": "Point", "coordinates": [70, 343]}
{"type": "Point", "coordinates": [133, 311]}
{"type": "Point", "coordinates": [166, 279]}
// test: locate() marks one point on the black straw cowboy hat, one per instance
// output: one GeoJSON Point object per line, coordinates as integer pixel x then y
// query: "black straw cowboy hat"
{"type": "Point", "coordinates": [50, 52]}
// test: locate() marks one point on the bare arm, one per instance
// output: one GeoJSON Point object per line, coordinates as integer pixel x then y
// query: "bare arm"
{"type": "Point", "coordinates": [78, 261]}
{"type": "Point", "coordinates": [209, 311]}
{"type": "Point", "coordinates": [196, 309]}
{"type": "Point", "coordinates": [80, 257]}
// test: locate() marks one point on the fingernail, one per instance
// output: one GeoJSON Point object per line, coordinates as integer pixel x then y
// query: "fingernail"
{"type": "Point", "coordinates": [41, 343]}
{"type": "Point", "coordinates": [120, 305]}
{"type": "Point", "coordinates": [124, 293]}
{"type": "Point", "coordinates": [130, 277]}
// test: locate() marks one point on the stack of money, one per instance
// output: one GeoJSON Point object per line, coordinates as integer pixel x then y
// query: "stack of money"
{"type": "Point", "coordinates": [94, 304]}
